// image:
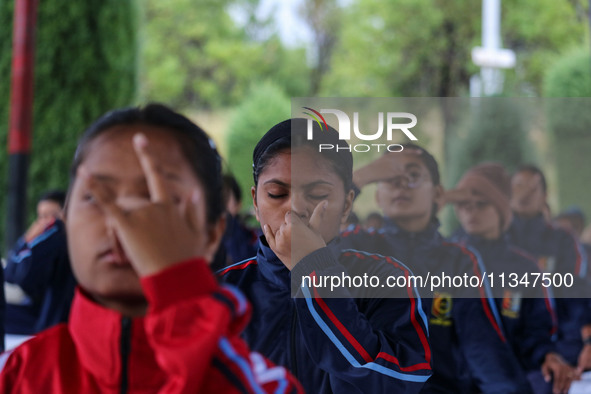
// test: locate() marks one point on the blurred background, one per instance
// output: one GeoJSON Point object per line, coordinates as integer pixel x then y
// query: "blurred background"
{"type": "Point", "coordinates": [233, 65]}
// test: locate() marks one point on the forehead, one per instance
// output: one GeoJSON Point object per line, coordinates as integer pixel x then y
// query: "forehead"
{"type": "Point", "coordinates": [45, 205]}
{"type": "Point", "coordinates": [300, 165]}
{"type": "Point", "coordinates": [409, 160]}
{"type": "Point", "coordinates": [523, 176]}
{"type": "Point", "coordinates": [113, 148]}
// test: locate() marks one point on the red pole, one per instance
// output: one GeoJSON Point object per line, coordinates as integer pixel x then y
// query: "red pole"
{"type": "Point", "coordinates": [21, 114]}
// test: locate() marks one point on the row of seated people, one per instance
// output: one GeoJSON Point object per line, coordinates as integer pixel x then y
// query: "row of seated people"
{"type": "Point", "coordinates": [448, 340]}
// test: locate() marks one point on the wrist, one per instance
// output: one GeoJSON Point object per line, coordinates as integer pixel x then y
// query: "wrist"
{"type": "Point", "coordinates": [360, 177]}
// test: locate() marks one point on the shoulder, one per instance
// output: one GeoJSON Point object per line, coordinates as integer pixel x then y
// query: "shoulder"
{"type": "Point", "coordinates": [461, 257]}
{"type": "Point", "coordinates": [38, 354]}
{"type": "Point", "coordinates": [55, 230]}
{"type": "Point", "coordinates": [238, 269]}
{"type": "Point", "coordinates": [523, 257]}
{"type": "Point", "coordinates": [372, 263]}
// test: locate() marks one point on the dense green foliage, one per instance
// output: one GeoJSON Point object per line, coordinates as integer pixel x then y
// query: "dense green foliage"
{"type": "Point", "coordinates": [195, 55]}
{"type": "Point", "coordinates": [85, 64]}
{"type": "Point", "coordinates": [496, 130]}
{"type": "Point", "coordinates": [569, 121]}
{"type": "Point", "coordinates": [263, 107]}
{"type": "Point", "coordinates": [422, 47]}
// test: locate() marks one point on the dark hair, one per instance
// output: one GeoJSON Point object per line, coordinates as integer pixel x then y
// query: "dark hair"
{"type": "Point", "coordinates": [428, 160]}
{"type": "Point", "coordinates": [353, 218]}
{"type": "Point", "coordinates": [196, 146]}
{"type": "Point", "coordinates": [374, 215]}
{"type": "Point", "coordinates": [575, 216]}
{"type": "Point", "coordinates": [230, 186]}
{"type": "Point", "coordinates": [292, 133]}
{"type": "Point", "coordinates": [58, 196]}
{"type": "Point", "coordinates": [534, 170]}
{"type": "Point", "coordinates": [280, 145]}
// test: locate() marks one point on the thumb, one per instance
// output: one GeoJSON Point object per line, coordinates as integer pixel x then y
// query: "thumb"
{"type": "Point", "coordinates": [269, 236]}
{"type": "Point", "coordinates": [318, 216]}
{"type": "Point", "coordinates": [546, 372]}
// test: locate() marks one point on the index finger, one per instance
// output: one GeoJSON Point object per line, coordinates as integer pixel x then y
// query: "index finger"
{"type": "Point", "coordinates": [156, 183]}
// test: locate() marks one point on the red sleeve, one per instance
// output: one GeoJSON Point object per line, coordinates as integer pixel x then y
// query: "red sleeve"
{"type": "Point", "coordinates": [193, 324]}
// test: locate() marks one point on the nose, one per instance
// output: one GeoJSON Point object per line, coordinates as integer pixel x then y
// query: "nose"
{"type": "Point", "coordinates": [299, 206]}
{"type": "Point", "coordinates": [401, 181]}
{"type": "Point", "coordinates": [469, 207]}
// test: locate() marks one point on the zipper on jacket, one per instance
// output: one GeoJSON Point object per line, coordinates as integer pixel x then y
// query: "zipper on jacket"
{"type": "Point", "coordinates": [125, 349]}
{"type": "Point", "coordinates": [294, 361]}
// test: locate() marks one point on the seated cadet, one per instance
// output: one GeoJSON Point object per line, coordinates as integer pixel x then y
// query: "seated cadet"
{"type": "Point", "coordinates": [39, 265]}
{"type": "Point", "coordinates": [470, 350]}
{"type": "Point", "coordinates": [557, 252]}
{"type": "Point", "coordinates": [349, 341]}
{"type": "Point", "coordinates": [573, 220]}
{"type": "Point", "coordinates": [239, 242]}
{"type": "Point", "coordinates": [528, 319]}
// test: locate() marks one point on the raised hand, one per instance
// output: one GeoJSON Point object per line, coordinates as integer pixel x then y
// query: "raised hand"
{"type": "Point", "coordinates": [158, 232]}
{"type": "Point", "coordinates": [385, 167]}
{"type": "Point", "coordinates": [295, 239]}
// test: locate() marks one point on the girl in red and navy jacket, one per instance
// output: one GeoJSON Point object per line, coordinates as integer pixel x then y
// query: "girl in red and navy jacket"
{"type": "Point", "coordinates": [347, 340]}
{"type": "Point", "coordinates": [470, 349]}
{"type": "Point", "coordinates": [482, 205]}
{"type": "Point", "coordinates": [143, 220]}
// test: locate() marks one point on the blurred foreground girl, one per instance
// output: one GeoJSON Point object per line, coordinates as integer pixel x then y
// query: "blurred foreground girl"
{"type": "Point", "coordinates": [143, 220]}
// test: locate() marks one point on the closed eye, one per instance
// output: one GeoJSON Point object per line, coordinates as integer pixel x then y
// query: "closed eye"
{"type": "Point", "coordinates": [87, 197]}
{"type": "Point", "coordinates": [277, 196]}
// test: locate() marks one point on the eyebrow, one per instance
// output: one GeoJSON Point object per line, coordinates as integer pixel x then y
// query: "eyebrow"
{"type": "Point", "coordinates": [317, 183]}
{"type": "Point", "coordinates": [277, 182]}
{"type": "Point", "coordinates": [111, 179]}
{"type": "Point", "coordinates": [412, 165]}
{"type": "Point", "coordinates": [105, 178]}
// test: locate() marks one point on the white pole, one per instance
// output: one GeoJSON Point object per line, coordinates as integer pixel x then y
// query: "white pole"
{"type": "Point", "coordinates": [492, 78]}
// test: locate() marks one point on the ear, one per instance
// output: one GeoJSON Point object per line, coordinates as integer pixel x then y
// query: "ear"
{"type": "Point", "coordinates": [349, 198]}
{"type": "Point", "coordinates": [439, 197]}
{"type": "Point", "coordinates": [215, 233]}
{"type": "Point", "coordinates": [253, 192]}
{"type": "Point", "coordinates": [67, 202]}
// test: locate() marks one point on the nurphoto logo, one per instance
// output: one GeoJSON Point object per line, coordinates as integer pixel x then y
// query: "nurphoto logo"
{"type": "Point", "coordinates": [393, 124]}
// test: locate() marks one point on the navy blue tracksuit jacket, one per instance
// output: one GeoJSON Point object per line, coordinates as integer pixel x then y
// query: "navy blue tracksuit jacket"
{"type": "Point", "coordinates": [558, 251]}
{"type": "Point", "coordinates": [42, 269]}
{"type": "Point", "coordinates": [335, 345]}
{"type": "Point", "coordinates": [470, 350]}
{"type": "Point", "coordinates": [527, 312]}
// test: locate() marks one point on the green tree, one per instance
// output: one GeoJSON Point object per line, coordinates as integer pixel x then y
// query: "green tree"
{"type": "Point", "coordinates": [324, 19]}
{"type": "Point", "coordinates": [496, 130]}
{"type": "Point", "coordinates": [264, 106]}
{"type": "Point", "coordinates": [569, 121]}
{"type": "Point", "coordinates": [85, 64]}
{"type": "Point", "coordinates": [422, 47]}
{"type": "Point", "coordinates": [195, 55]}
